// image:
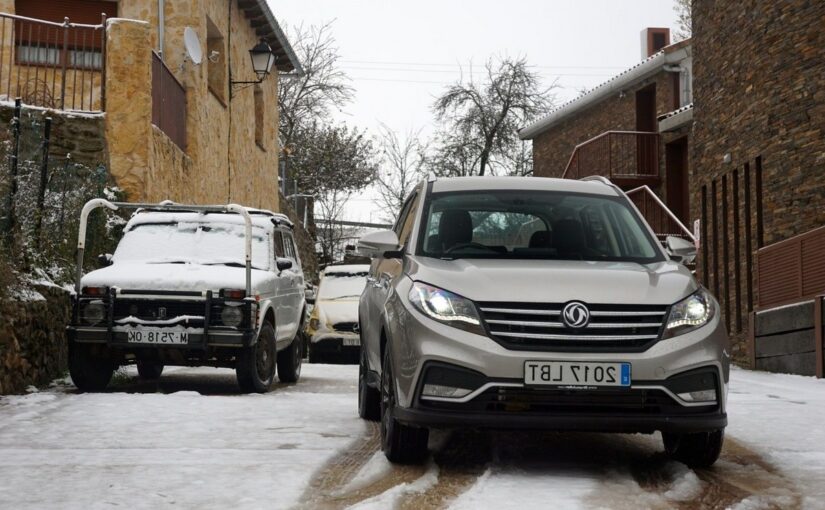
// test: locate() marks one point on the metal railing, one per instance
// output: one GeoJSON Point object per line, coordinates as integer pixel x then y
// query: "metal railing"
{"type": "Point", "coordinates": [616, 155]}
{"type": "Point", "coordinates": [53, 65]}
{"type": "Point", "coordinates": [168, 102]}
{"type": "Point", "coordinates": [792, 270]}
{"type": "Point", "coordinates": [660, 218]}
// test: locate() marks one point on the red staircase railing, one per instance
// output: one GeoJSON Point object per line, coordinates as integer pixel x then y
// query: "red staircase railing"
{"type": "Point", "coordinates": [661, 219]}
{"type": "Point", "coordinates": [616, 155]}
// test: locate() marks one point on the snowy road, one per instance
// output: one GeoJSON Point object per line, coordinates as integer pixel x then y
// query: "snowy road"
{"type": "Point", "coordinates": [192, 441]}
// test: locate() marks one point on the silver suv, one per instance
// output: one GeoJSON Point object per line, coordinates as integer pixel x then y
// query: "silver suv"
{"type": "Point", "coordinates": [532, 303]}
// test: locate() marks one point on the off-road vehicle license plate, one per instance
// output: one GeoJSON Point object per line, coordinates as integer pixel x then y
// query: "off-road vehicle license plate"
{"type": "Point", "coordinates": [157, 336]}
{"type": "Point", "coordinates": [566, 373]}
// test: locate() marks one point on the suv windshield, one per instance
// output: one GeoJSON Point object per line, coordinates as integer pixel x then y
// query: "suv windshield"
{"type": "Point", "coordinates": [508, 224]}
{"type": "Point", "coordinates": [196, 243]}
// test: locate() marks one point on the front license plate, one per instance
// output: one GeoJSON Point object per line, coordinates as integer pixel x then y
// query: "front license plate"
{"type": "Point", "coordinates": [573, 374]}
{"type": "Point", "coordinates": [352, 341]}
{"type": "Point", "coordinates": [157, 336]}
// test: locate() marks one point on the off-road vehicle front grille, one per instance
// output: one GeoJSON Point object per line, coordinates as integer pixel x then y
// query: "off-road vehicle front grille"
{"type": "Point", "coordinates": [156, 310]}
{"type": "Point", "coordinates": [540, 327]}
{"type": "Point", "coordinates": [345, 327]}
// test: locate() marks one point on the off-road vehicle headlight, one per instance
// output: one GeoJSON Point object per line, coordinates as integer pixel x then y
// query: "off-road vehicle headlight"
{"type": "Point", "coordinates": [231, 316]}
{"type": "Point", "coordinates": [444, 306]}
{"type": "Point", "coordinates": [94, 313]}
{"type": "Point", "coordinates": [690, 313]}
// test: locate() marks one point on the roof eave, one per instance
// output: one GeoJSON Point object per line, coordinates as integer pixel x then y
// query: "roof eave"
{"type": "Point", "coordinates": [268, 29]}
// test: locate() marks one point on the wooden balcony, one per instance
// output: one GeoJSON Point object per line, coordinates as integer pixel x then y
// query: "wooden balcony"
{"type": "Point", "coordinates": [628, 158]}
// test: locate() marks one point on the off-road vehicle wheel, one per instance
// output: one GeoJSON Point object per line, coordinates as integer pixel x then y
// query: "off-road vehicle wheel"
{"type": "Point", "coordinates": [90, 370]}
{"type": "Point", "coordinates": [369, 399]}
{"type": "Point", "coordinates": [149, 370]}
{"type": "Point", "coordinates": [697, 450]}
{"type": "Point", "coordinates": [402, 444]}
{"type": "Point", "coordinates": [256, 366]}
{"type": "Point", "coordinates": [289, 361]}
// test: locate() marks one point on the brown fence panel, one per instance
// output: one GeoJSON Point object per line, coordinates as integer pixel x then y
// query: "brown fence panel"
{"type": "Point", "coordinates": [53, 65]}
{"type": "Point", "coordinates": [791, 270]}
{"type": "Point", "coordinates": [168, 103]}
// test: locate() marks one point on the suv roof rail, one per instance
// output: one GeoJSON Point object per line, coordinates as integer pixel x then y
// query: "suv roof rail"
{"type": "Point", "coordinates": [599, 178]}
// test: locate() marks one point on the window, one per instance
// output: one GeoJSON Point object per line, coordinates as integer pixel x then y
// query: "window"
{"type": "Point", "coordinates": [39, 44]}
{"type": "Point", "coordinates": [279, 244]}
{"type": "Point", "coordinates": [215, 61]}
{"type": "Point", "coordinates": [259, 117]}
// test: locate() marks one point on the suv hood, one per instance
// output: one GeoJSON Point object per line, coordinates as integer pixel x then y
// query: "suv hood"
{"type": "Point", "coordinates": [557, 281]}
{"type": "Point", "coordinates": [186, 277]}
{"type": "Point", "coordinates": [335, 311]}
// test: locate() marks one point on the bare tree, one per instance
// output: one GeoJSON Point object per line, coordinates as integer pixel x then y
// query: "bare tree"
{"type": "Point", "coordinates": [684, 18]}
{"type": "Point", "coordinates": [323, 86]}
{"type": "Point", "coordinates": [402, 167]}
{"type": "Point", "coordinates": [483, 119]}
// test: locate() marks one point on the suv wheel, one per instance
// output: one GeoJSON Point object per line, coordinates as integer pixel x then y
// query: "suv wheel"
{"type": "Point", "coordinates": [369, 399]}
{"type": "Point", "coordinates": [149, 370]}
{"type": "Point", "coordinates": [402, 444]}
{"type": "Point", "coordinates": [289, 361]}
{"type": "Point", "coordinates": [697, 450]}
{"type": "Point", "coordinates": [256, 365]}
{"type": "Point", "coordinates": [90, 372]}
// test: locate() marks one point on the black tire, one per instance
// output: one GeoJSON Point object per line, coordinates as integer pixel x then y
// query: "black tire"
{"type": "Point", "coordinates": [697, 450]}
{"type": "Point", "coordinates": [401, 443]}
{"type": "Point", "coordinates": [255, 368]}
{"type": "Point", "coordinates": [90, 370]}
{"type": "Point", "coordinates": [289, 361]}
{"type": "Point", "coordinates": [149, 370]}
{"type": "Point", "coordinates": [369, 399]}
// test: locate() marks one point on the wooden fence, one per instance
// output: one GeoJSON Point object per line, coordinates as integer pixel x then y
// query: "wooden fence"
{"type": "Point", "coordinates": [168, 102]}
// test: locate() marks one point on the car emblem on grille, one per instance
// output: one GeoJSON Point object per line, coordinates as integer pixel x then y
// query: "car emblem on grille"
{"type": "Point", "coordinates": [161, 312]}
{"type": "Point", "coordinates": [575, 315]}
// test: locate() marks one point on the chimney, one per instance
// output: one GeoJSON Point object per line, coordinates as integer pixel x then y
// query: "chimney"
{"type": "Point", "coordinates": [653, 40]}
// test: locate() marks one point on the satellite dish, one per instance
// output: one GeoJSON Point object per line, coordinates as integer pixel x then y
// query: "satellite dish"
{"type": "Point", "coordinates": [192, 45]}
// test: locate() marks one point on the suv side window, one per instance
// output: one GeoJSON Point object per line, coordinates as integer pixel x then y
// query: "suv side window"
{"type": "Point", "coordinates": [279, 243]}
{"type": "Point", "coordinates": [404, 226]}
{"type": "Point", "coordinates": [289, 245]}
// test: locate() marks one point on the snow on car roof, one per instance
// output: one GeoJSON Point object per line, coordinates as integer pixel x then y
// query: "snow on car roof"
{"type": "Point", "coordinates": [490, 183]}
{"type": "Point", "coordinates": [347, 269]}
{"type": "Point", "coordinates": [260, 218]}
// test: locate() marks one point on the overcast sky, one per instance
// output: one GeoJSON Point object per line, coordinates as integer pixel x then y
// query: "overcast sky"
{"type": "Point", "coordinates": [400, 55]}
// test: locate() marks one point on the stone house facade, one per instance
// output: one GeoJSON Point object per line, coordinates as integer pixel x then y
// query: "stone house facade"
{"type": "Point", "coordinates": [758, 173]}
{"type": "Point", "coordinates": [207, 140]}
{"type": "Point", "coordinates": [634, 129]}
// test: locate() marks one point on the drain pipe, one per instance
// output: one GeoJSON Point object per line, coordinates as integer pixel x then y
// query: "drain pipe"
{"type": "Point", "coordinates": [161, 26]}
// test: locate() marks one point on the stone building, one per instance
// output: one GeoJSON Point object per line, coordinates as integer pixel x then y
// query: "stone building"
{"type": "Point", "coordinates": [758, 173]}
{"type": "Point", "coordinates": [633, 129]}
{"type": "Point", "coordinates": [175, 127]}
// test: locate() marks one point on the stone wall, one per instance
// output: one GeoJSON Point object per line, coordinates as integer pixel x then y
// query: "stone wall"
{"type": "Point", "coordinates": [32, 340]}
{"type": "Point", "coordinates": [552, 149]}
{"type": "Point", "coordinates": [759, 67]}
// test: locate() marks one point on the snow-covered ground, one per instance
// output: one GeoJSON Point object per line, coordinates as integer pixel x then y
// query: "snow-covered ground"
{"type": "Point", "coordinates": [192, 441]}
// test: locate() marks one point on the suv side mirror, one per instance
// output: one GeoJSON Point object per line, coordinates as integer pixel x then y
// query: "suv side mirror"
{"type": "Point", "coordinates": [680, 250]}
{"type": "Point", "coordinates": [283, 264]}
{"type": "Point", "coordinates": [104, 259]}
{"type": "Point", "coordinates": [378, 244]}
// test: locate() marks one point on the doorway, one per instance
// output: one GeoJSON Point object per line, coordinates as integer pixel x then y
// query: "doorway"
{"type": "Point", "coordinates": [676, 172]}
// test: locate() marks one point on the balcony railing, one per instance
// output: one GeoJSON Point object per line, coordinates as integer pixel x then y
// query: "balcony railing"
{"type": "Point", "coordinates": [630, 156]}
{"type": "Point", "coordinates": [168, 102]}
{"type": "Point", "coordinates": [53, 65]}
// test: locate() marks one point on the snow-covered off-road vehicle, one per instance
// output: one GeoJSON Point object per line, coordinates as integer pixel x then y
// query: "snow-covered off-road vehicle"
{"type": "Point", "coordinates": [191, 286]}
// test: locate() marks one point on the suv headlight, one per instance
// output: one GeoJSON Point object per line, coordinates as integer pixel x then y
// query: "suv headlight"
{"type": "Point", "coordinates": [231, 316]}
{"type": "Point", "coordinates": [690, 313]}
{"type": "Point", "coordinates": [446, 307]}
{"type": "Point", "coordinates": [94, 312]}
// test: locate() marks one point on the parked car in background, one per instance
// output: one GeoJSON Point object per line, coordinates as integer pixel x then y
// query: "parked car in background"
{"type": "Point", "coordinates": [333, 329]}
{"type": "Point", "coordinates": [191, 285]}
{"type": "Point", "coordinates": [543, 304]}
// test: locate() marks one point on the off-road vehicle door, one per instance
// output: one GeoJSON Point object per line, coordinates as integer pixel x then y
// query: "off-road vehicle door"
{"type": "Point", "coordinates": [293, 284]}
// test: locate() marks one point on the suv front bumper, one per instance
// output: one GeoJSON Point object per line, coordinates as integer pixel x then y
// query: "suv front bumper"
{"type": "Point", "coordinates": [195, 340]}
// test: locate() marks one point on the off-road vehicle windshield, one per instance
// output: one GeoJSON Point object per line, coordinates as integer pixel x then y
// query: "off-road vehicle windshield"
{"type": "Point", "coordinates": [192, 242]}
{"type": "Point", "coordinates": [505, 224]}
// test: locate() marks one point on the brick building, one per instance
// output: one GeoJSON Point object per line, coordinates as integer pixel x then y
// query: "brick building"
{"type": "Point", "coordinates": [758, 172]}
{"type": "Point", "coordinates": [634, 129]}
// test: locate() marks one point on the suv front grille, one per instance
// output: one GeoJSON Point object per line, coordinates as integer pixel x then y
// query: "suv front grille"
{"type": "Point", "coordinates": [539, 326]}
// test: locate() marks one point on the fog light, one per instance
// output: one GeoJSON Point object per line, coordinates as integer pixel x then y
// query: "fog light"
{"type": "Point", "coordinates": [231, 316]}
{"type": "Point", "coordinates": [699, 396]}
{"type": "Point", "coordinates": [439, 390]}
{"type": "Point", "coordinates": [94, 313]}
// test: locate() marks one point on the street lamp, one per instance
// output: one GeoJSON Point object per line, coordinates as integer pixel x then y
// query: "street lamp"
{"type": "Point", "coordinates": [262, 61]}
